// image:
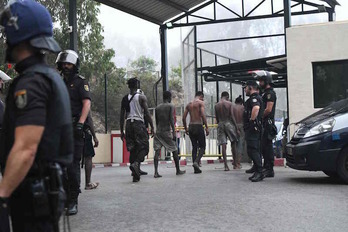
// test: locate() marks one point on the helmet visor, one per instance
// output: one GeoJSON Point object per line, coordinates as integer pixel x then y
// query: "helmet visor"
{"type": "Point", "coordinates": [67, 57]}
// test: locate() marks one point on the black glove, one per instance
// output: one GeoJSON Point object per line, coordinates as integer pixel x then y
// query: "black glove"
{"type": "Point", "coordinates": [79, 130]}
{"type": "Point", "coordinates": [4, 217]}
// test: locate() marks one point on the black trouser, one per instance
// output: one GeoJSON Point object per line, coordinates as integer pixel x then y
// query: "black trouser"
{"type": "Point", "coordinates": [22, 212]}
{"type": "Point", "coordinates": [137, 139]}
{"type": "Point", "coordinates": [197, 136]}
{"type": "Point", "coordinates": [253, 149]}
{"type": "Point", "coordinates": [267, 151]}
{"type": "Point", "coordinates": [74, 171]}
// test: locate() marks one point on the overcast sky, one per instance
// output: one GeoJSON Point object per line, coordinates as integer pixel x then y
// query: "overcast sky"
{"type": "Point", "coordinates": [132, 37]}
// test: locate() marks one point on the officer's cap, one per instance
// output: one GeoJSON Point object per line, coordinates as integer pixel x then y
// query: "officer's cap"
{"type": "Point", "coordinates": [27, 20]}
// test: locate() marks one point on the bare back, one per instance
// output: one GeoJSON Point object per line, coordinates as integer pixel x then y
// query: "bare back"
{"type": "Point", "coordinates": [164, 117]}
{"type": "Point", "coordinates": [195, 110]}
{"type": "Point", "coordinates": [238, 113]}
{"type": "Point", "coordinates": [223, 111]}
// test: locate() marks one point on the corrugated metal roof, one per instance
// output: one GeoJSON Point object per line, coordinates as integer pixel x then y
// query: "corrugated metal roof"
{"type": "Point", "coordinates": [156, 11]}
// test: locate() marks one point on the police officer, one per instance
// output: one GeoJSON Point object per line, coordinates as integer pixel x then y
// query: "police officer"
{"type": "Point", "coordinates": [68, 64]}
{"type": "Point", "coordinates": [37, 131]}
{"type": "Point", "coordinates": [253, 128]}
{"type": "Point", "coordinates": [269, 99]}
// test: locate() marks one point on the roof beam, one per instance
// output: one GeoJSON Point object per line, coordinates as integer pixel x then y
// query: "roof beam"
{"type": "Point", "coordinates": [130, 11]}
{"type": "Point", "coordinates": [176, 25]}
{"type": "Point", "coordinates": [174, 5]}
{"type": "Point", "coordinates": [188, 13]}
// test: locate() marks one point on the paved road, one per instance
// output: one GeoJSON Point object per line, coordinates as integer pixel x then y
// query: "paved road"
{"type": "Point", "coordinates": [213, 201]}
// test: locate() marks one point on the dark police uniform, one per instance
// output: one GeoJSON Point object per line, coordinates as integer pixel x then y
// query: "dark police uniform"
{"type": "Point", "coordinates": [38, 97]}
{"type": "Point", "coordinates": [78, 88]}
{"type": "Point", "coordinates": [269, 133]}
{"type": "Point", "coordinates": [253, 130]}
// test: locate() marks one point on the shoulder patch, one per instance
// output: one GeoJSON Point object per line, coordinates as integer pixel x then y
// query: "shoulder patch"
{"type": "Point", "coordinates": [254, 100]}
{"type": "Point", "coordinates": [86, 88]}
{"type": "Point", "coordinates": [21, 98]}
{"type": "Point", "coordinates": [269, 96]}
{"type": "Point", "coordinates": [82, 77]}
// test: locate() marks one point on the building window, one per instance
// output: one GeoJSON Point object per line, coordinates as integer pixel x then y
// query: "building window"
{"type": "Point", "coordinates": [330, 82]}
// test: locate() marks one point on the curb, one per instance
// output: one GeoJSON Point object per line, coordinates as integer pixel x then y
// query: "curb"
{"type": "Point", "coordinates": [279, 162]}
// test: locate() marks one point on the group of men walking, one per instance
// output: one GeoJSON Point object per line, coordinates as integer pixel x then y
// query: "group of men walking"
{"type": "Point", "coordinates": [252, 122]}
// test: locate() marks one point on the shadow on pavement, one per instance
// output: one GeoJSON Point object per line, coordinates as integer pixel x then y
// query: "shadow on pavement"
{"type": "Point", "coordinates": [317, 180]}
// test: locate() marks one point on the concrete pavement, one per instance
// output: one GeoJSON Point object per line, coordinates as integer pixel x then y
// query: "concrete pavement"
{"type": "Point", "coordinates": [212, 201]}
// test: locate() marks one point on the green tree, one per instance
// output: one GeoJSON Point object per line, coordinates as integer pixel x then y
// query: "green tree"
{"type": "Point", "coordinates": [95, 59]}
{"type": "Point", "coordinates": [175, 85]}
{"type": "Point", "coordinates": [144, 68]}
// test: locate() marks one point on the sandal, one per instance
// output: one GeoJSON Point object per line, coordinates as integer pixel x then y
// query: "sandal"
{"type": "Point", "coordinates": [91, 186]}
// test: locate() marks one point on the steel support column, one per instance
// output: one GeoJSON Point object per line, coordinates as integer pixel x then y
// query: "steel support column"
{"type": "Point", "coordinates": [196, 57]}
{"type": "Point", "coordinates": [106, 102]}
{"type": "Point", "coordinates": [287, 17]}
{"type": "Point", "coordinates": [217, 83]}
{"type": "Point", "coordinates": [332, 16]}
{"type": "Point", "coordinates": [287, 24]}
{"type": "Point", "coordinates": [164, 57]}
{"type": "Point", "coordinates": [73, 24]}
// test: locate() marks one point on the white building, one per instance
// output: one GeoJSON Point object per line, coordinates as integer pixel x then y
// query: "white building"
{"type": "Point", "coordinates": [317, 60]}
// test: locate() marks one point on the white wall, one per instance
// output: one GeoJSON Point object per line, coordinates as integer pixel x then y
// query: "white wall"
{"type": "Point", "coordinates": [103, 151]}
{"type": "Point", "coordinates": [307, 44]}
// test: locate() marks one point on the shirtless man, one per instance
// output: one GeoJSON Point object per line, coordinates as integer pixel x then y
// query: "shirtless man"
{"type": "Point", "coordinates": [196, 130]}
{"type": "Point", "coordinates": [227, 128]}
{"type": "Point", "coordinates": [165, 133]}
{"type": "Point", "coordinates": [238, 116]}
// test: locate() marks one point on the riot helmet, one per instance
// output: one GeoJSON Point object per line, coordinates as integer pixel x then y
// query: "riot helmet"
{"type": "Point", "coordinates": [70, 57]}
{"type": "Point", "coordinates": [27, 20]}
{"type": "Point", "coordinates": [265, 77]}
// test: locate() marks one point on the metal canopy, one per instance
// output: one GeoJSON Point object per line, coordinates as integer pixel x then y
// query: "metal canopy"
{"type": "Point", "coordinates": [241, 72]}
{"type": "Point", "coordinates": [155, 11]}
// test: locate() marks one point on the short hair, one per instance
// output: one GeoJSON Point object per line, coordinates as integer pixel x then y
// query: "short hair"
{"type": "Point", "coordinates": [133, 83]}
{"type": "Point", "coordinates": [239, 100]}
{"type": "Point", "coordinates": [167, 95]}
{"type": "Point", "coordinates": [199, 94]}
{"type": "Point", "coordinates": [225, 94]}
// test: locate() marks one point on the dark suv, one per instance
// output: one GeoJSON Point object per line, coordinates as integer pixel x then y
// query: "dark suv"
{"type": "Point", "coordinates": [321, 142]}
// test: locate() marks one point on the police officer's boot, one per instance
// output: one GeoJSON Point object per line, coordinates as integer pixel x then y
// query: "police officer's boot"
{"type": "Point", "coordinates": [257, 177]}
{"type": "Point", "coordinates": [268, 173]}
{"type": "Point", "coordinates": [252, 176]}
{"type": "Point", "coordinates": [72, 210]}
{"type": "Point", "coordinates": [251, 170]}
